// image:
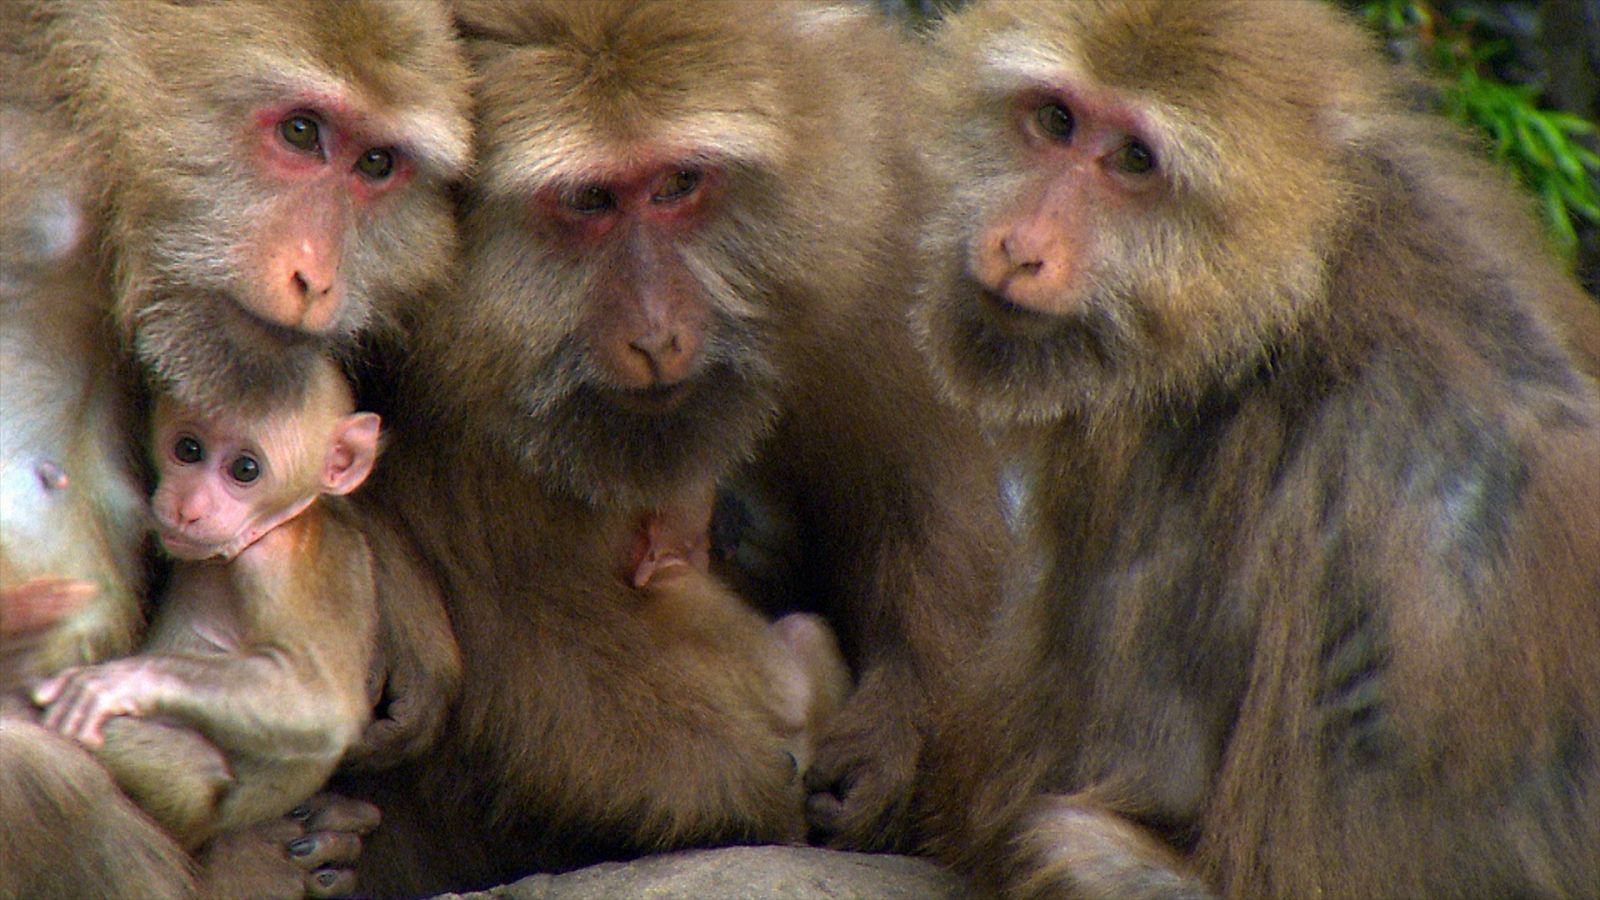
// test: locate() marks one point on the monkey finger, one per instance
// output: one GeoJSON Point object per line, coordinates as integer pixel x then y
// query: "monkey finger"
{"type": "Point", "coordinates": [62, 707]}
{"type": "Point", "coordinates": [322, 848]}
{"type": "Point", "coordinates": [332, 812]}
{"type": "Point", "coordinates": [93, 733]}
{"type": "Point", "coordinates": [331, 883]}
{"type": "Point", "coordinates": [80, 718]}
{"type": "Point", "coordinates": [48, 690]}
{"type": "Point", "coordinates": [278, 832]}
{"type": "Point", "coordinates": [825, 813]}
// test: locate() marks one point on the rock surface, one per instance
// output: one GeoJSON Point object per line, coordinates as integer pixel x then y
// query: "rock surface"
{"type": "Point", "coordinates": [778, 873]}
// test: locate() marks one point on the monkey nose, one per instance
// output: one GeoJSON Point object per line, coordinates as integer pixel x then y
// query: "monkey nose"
{"type": "Point", "coordinates": [667, 354]}
{"type": "Point", "coordinates": [309, 288]}
{"type": "Point", "coordinates": [190, 511]}
{"type": "Point", "coordinates": [318, 296]}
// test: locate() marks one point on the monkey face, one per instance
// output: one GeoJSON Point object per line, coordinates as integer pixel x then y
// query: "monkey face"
{"type": "Point", "coordinates": [625, 362]}
{"type": "Point", "coordinates": [268, 210]}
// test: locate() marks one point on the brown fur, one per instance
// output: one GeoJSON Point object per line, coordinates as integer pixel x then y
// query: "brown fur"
{"type": "Point", "coordinates": [74, 507]}
{"type": "Point", "coordinates": [1310, 464]}
{"type": "Point", "coordinates": [160, 94]}
{"type": "Point", "coordinates": [593, 722]}
{"type": "Point", "coordinates": [74, 512]}
{"type": "Point", "coordinates": [266, 653]}
{"type": "Point", "coordinates": [142, 104]}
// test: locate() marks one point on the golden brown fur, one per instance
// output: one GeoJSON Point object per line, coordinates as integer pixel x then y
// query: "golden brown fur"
{"type": "Point", "coordinates": [593, 721]}
{"type": "Point", "coordinates": [73, 507]}
{"type": "Point", "coordinates": [264, 652]}
{"type": "Point", "coordinates": [144, 110]}
{"type": "Point", "coordinates": [160, 94]}
{"type": "Point", "coordinates": [1309, 451]}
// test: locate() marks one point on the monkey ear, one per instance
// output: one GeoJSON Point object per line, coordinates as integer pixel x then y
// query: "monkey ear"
{"type": "Point", "coordinates": [351, 453]}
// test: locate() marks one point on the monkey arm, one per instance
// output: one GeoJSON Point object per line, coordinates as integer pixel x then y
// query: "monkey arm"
{"type": "Point", "coordinates": [903, 525]}
{"type": "Point", "coordinates": [265, 652]}
{"type": "Point", "coordinates": [416, 671]}
{"type": "Point", "coordinates": [263, 697]}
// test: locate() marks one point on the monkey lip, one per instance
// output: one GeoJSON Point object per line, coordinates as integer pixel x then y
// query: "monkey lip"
{"type": "Point", "coordinates": [657, 399]}
{"type": "Point", "coordinates": [179, 546]}
{"type": "Point", "coordinates": [255, 325]}
{"type": "Point", "coordinates": [1012, 316]}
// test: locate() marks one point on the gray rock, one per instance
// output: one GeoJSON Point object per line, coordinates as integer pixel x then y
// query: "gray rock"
{"type": "Point", "coordinates": [781, 873]}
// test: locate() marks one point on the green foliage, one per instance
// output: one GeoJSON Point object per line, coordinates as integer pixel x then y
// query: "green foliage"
{"type": "Point", "coordinates": [1541, 146]}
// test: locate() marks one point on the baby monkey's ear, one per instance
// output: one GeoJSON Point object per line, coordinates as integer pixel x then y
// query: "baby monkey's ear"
{"type": "Point", "coordinates": [352, 451]}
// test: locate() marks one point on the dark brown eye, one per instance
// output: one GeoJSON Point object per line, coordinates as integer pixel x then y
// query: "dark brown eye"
{"type": "Point", "coordinates": [678, 185]}
{"type": "Point", "coordinates": [1136, 158]}
{"type": "Point", "coordinates": [244, 469]}
{"type": "Point", "coordinates": [302, 133]}
{"type": "Point", "coordinates": [591, 199]}
{"type": "Point", "coordinates": [1055, 121]}
{"type": "Point", "coordinates": [187, 450]}
{"type": "Point", "coordinates": [376, 164]}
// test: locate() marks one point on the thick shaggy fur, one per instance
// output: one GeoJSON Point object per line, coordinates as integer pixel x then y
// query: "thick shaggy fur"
{"type": "Point", "coordinates": [1312, 477]}
{"type": "Point", "coordinates": [145, 115]}
{"type": "Point", "coordinates": [596, 720]}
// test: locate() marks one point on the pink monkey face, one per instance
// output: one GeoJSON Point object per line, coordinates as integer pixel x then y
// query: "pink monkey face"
{"type": "Point", "coordinates": [218, 482]}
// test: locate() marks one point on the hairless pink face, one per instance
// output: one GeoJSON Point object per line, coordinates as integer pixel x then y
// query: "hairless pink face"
{"type": "Point", "coordinates": [226, 480]}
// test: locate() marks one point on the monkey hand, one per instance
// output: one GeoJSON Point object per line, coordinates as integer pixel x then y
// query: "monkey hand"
{"type": "Point", "coordinates": [311, 852]}
{"type": "Point", "coordinates": [80, 700]}
{"type": "Point", "coordinates": [415, 674]}
{"type": "Point", "coordinates": [860, 780]}
{"type": "Point", "coordinates": [415, 686]}
{"type": "Point", "coordinates": [41, 602]}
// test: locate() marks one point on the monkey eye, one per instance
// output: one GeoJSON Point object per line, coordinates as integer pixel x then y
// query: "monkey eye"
{"type": "Point", "coordinates": [187, 450]}
{"type": "Point", "coordinates": [377, 163]}
{"type": "Point", "coordinates": [301, 132]}
{"type": "Point", "coordinates": [244, 469]}
{"type": "Point", "coordinates": [1136, 158]}
{"type": "Point", "coordinates": [1055, 120]}
{"type": "Point", "coordinates": [591, 199]}
{"type": "Point", "coordinates": [678, 185]}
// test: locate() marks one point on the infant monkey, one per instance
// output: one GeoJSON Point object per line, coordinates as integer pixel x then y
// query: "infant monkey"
{"type": "Point", "coordinates": [668, 560]}
{"type": "Point", "coordinates": [263, 638]}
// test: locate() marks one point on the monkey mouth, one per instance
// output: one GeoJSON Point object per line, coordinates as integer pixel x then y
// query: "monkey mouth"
{"type": "Point", "coordinates": [180, 546]}
{"type": "Point", "coordinates": [255, 327]}
{"type": "Point", "coordinates": [1012, 317]}
{"type": "Point", "coordinates": [656, 400]}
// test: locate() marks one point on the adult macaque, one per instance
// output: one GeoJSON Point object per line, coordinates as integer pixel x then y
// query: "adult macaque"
{"type": "Point", "coordinates": [685, 252]}
{"type": "Point", "coordinates": [263, 637]}
{"type": "Point", "coordinates": [71, 525]}
{"type": "Point", "coordinates": [268, 181]}
{"type": "Point", "coordinates": [1311, 472]}
{"type": "Point", "coordinates": [270, 175]}
{"type": "Point", "coordinates": [71, 507]}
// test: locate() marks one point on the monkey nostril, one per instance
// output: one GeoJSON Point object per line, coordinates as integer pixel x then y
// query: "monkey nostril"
{"type": "Point", "coordinates": [301, 286]}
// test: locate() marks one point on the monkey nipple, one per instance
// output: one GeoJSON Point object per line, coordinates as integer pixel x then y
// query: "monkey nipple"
{"type": "Point", "coordinates": [51, 475]}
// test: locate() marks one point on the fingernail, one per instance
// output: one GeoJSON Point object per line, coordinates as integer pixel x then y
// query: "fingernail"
{"type": "Point", "coordinates": [326, 879]}
{"type": "Point", "coordinates": [300, 813]}
{"type": "Point", "coordinates": [301, 846]}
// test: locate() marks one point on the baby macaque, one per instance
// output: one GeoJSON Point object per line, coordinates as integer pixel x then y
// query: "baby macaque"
{"type": "Point", "coordinates": [669, 561]}
{"type": "Point", "coordinates": [263, 639]}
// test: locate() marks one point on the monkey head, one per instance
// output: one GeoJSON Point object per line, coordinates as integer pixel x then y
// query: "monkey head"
{"type": "Point", "coordinates": [276, 180]}
{"type": "Point", "coordinates": [659, 209]}
{"type": "Point", "coordinates": [228, 479]}
{"type": "Point", "coordinates": [1124, 224]}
